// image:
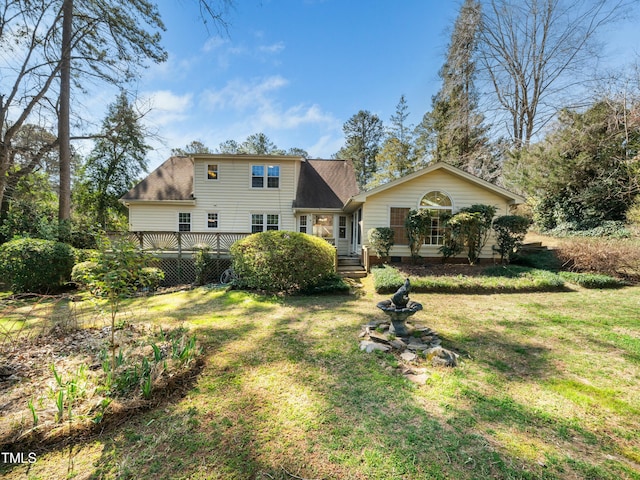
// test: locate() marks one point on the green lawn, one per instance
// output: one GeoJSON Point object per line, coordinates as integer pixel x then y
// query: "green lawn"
{"type": "Point", "coordinates": [548, 388]}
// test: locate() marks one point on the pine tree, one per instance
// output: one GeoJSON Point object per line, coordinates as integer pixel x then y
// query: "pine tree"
{"type": "Point", "coordinates": [397, 156]}
{"type": "Point", "coordinates": [363, 134]}
{"type": "Point", "coordinates": [115, 163]}
{"type": "Point", "coordinates": [455, 124]}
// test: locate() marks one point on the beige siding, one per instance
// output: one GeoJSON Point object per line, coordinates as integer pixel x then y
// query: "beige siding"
{"type": "Point", "coordinates": [376, 210]}
{"type": "Point", "coordinates": [230, 196]}
{"type": "Point", "coordinates": [156, 217]}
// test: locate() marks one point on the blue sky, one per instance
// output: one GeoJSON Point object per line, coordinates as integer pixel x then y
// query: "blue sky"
{"type": "Point", "coordinates": [293, 69]}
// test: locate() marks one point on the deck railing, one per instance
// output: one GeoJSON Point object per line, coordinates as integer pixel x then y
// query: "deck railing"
{"type": "Point", "coordinates": [178, 242]}
{"type": "Point", "coordinates": [174, 252]}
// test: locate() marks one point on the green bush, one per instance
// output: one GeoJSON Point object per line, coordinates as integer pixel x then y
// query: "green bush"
{"type": "Point", "coordinates": [510, 231]}
{"type": "Point", "coordinates": [281, 261]}
{"type": "Point", "coordinates": [470, 227]}
{"type": "Point", "coordinates": [147, 277]}
{"type": "Point", "coordinates": [381, 241]}
{"type": "Point", "coordinates": [35, 265]}
{"type": "Point", "coordinates": [500, 279]}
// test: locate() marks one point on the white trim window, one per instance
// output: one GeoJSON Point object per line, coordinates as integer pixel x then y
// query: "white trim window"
{"type": "Point", "coordinates": [438, 204]}
{"type": "Point", "coordinates": [184, 221]}
{"type": "Point", "coordinates": [265, 176]}
{"type": "Point", "coordinates": [342, 227]}
{"type": "Point", "coordinates": [212, 220]}
{"type": "Point", "coordinates": [261, 222]}
{"type": "Point", "coordinates": [303, 224]}
{"type": "Point", "coordinates": [212, 171]}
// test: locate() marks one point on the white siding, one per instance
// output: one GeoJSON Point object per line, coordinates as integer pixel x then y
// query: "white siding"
{"type": "Point", "coordinates": [376, 210]}
{"type": "Point", "coordinates": [157, 217]}
{"type": "Point", "coordinates": [231, 196]}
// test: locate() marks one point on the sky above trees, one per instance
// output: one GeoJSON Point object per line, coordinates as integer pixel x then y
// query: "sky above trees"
{"type": "Point", "coordinates": [297, 70]}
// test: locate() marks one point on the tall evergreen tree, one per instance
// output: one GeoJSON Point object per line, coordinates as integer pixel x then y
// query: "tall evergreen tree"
{"type": "Point", "coordinates": [363, 134]}
{"type": "Point", "coordinates": [115, 163]}
{"type": "Point", "coordinates": [397, 156]}
{"type": "Point", "coordinates": [455, 123]}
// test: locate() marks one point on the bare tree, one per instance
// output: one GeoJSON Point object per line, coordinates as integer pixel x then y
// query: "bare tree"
{"type": "Point", "coordinates": [533, 53]}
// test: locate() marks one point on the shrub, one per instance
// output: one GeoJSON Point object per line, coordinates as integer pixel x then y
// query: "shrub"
{"type": "Point", "coordinates": [616, 258]}
{"type": "Point", "coordinates": [500, 279]}
{"type": "Point", "coordinates": [202, 261]}
{"type": "Point", "coordinates": [510, 231]}
{"type": "Point", "coordinates": [381, 241]}
{"type": "Point", "coordinates": [35, 265]}
{"type": "Point", "coordinates": [470, 227]}
{"type": "Point", "coordinates": [417, 224]}
{"type": "Point", "coordinates": [148, 278]}
{"type": "Point", "coordinates": [281, 261]}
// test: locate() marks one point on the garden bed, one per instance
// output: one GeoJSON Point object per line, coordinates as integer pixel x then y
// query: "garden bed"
{"type": "Point", "coordinates": [59, 386]}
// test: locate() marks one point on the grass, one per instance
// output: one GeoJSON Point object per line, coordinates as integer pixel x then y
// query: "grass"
{"type": "Point", "coordinates": [497, 279]}
{"type": "Point", "coordinates": [548, 388]}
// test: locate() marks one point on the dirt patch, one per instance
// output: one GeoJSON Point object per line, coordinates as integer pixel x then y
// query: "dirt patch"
{"type": "Point", "coordinates": [56, 387]}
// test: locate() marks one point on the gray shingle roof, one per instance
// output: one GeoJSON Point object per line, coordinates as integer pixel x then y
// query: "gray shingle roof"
{"type": "Point", "coordinates": [325, 184]}
{"type": "Point", "coordinates": [173, 180]}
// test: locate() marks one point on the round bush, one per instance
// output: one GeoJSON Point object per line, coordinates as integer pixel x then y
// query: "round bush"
{"type": "Point", "coordinates": [147, 277]}
{"type": "Point", "coordinates": [280, 261]}
{"type": "Point", "coordinates": [35, 265]}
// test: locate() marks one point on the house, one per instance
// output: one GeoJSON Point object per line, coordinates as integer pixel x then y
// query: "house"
{"type": "Point", "coordinates": [253, 193]}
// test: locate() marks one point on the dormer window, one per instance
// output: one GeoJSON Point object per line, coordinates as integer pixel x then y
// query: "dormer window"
{"type": "Point", "coordinates": [265, 176]}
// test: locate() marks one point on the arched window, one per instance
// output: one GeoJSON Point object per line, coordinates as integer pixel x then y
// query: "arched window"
{"type": "Point", "coordinates": [439, 205]}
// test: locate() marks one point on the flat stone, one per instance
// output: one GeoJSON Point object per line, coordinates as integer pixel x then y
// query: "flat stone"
{"type": "Point", "coordinates": [369, 346]}
{"type": "Point", "coordinates": [408, 356]}
{"type": "Point", "coordinates": [418, 347]}
{"type": "Point", "coordinates": [379, 337]}
{"type": "Point", "coordinates": [365, 331]}
{"type": "Point", "coordinates": [398, 344]}
{"type": "Point", "coordinates": [420, 379]}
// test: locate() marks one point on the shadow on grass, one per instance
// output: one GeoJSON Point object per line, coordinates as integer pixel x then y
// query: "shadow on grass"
{"type": "Point", "coordinates": [297, 398]}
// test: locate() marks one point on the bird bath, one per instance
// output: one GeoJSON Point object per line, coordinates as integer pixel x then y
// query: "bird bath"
{"type": "Point", "coordinates": [399, 309]}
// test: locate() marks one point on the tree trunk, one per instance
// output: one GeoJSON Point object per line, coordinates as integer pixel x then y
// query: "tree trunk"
{"type": "Point", "coordinates": [64, 134]}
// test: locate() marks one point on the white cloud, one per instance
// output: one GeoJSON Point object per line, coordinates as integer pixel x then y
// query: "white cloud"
{"type": "Point", "coordinates": [167, 107]}
{"type": "Point", "coordinates": [214, 43]}
{"type": "Point", "coordinates": [326, 146]}
{"type": "Point", "coordinates": [272, 49]}
{"type": "Point", "coordinates": [295, 117]}
{"type": "Point", "coordinates": [241, 95]}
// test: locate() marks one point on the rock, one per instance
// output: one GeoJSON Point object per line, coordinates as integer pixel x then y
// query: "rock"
{"type": "Point", "coordinates": [365, 331]}
{"type": "Point", "coordinates": [379, 337]}
{"type": "Point", "coordinates": [408, 356]}
{"type": "Point", "coordinates": [420, 379]}
{"type": "Point", "coordinates": [398, 344]}
{"type": "Point", "coordinates": [6, 370]}
{"type": "Point", "coordinates": [369, 346]}
{"type": "Point", "coordinates": [418, 347]}
{"type": "Point", "coordinates": [441, 357]}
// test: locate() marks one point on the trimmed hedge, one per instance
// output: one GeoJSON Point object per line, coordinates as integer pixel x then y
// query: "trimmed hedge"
{"type": "Point", "coordinates": [35, 265]}
{"type": "Point", "coordinates": [281, 261]}
{"type": "Point", "coordinates": [494, 280]}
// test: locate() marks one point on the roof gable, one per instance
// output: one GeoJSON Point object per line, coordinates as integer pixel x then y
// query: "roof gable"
{"type": "Point", "coordinates": [502, 192]}
{"type": "Point", "coordinates": [171, 181]}
{"type": "Point", "coordinates": [325, 184]}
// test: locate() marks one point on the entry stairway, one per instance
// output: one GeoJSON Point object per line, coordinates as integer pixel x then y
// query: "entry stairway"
{"type": "Point", "coordinates": [350, 267]}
